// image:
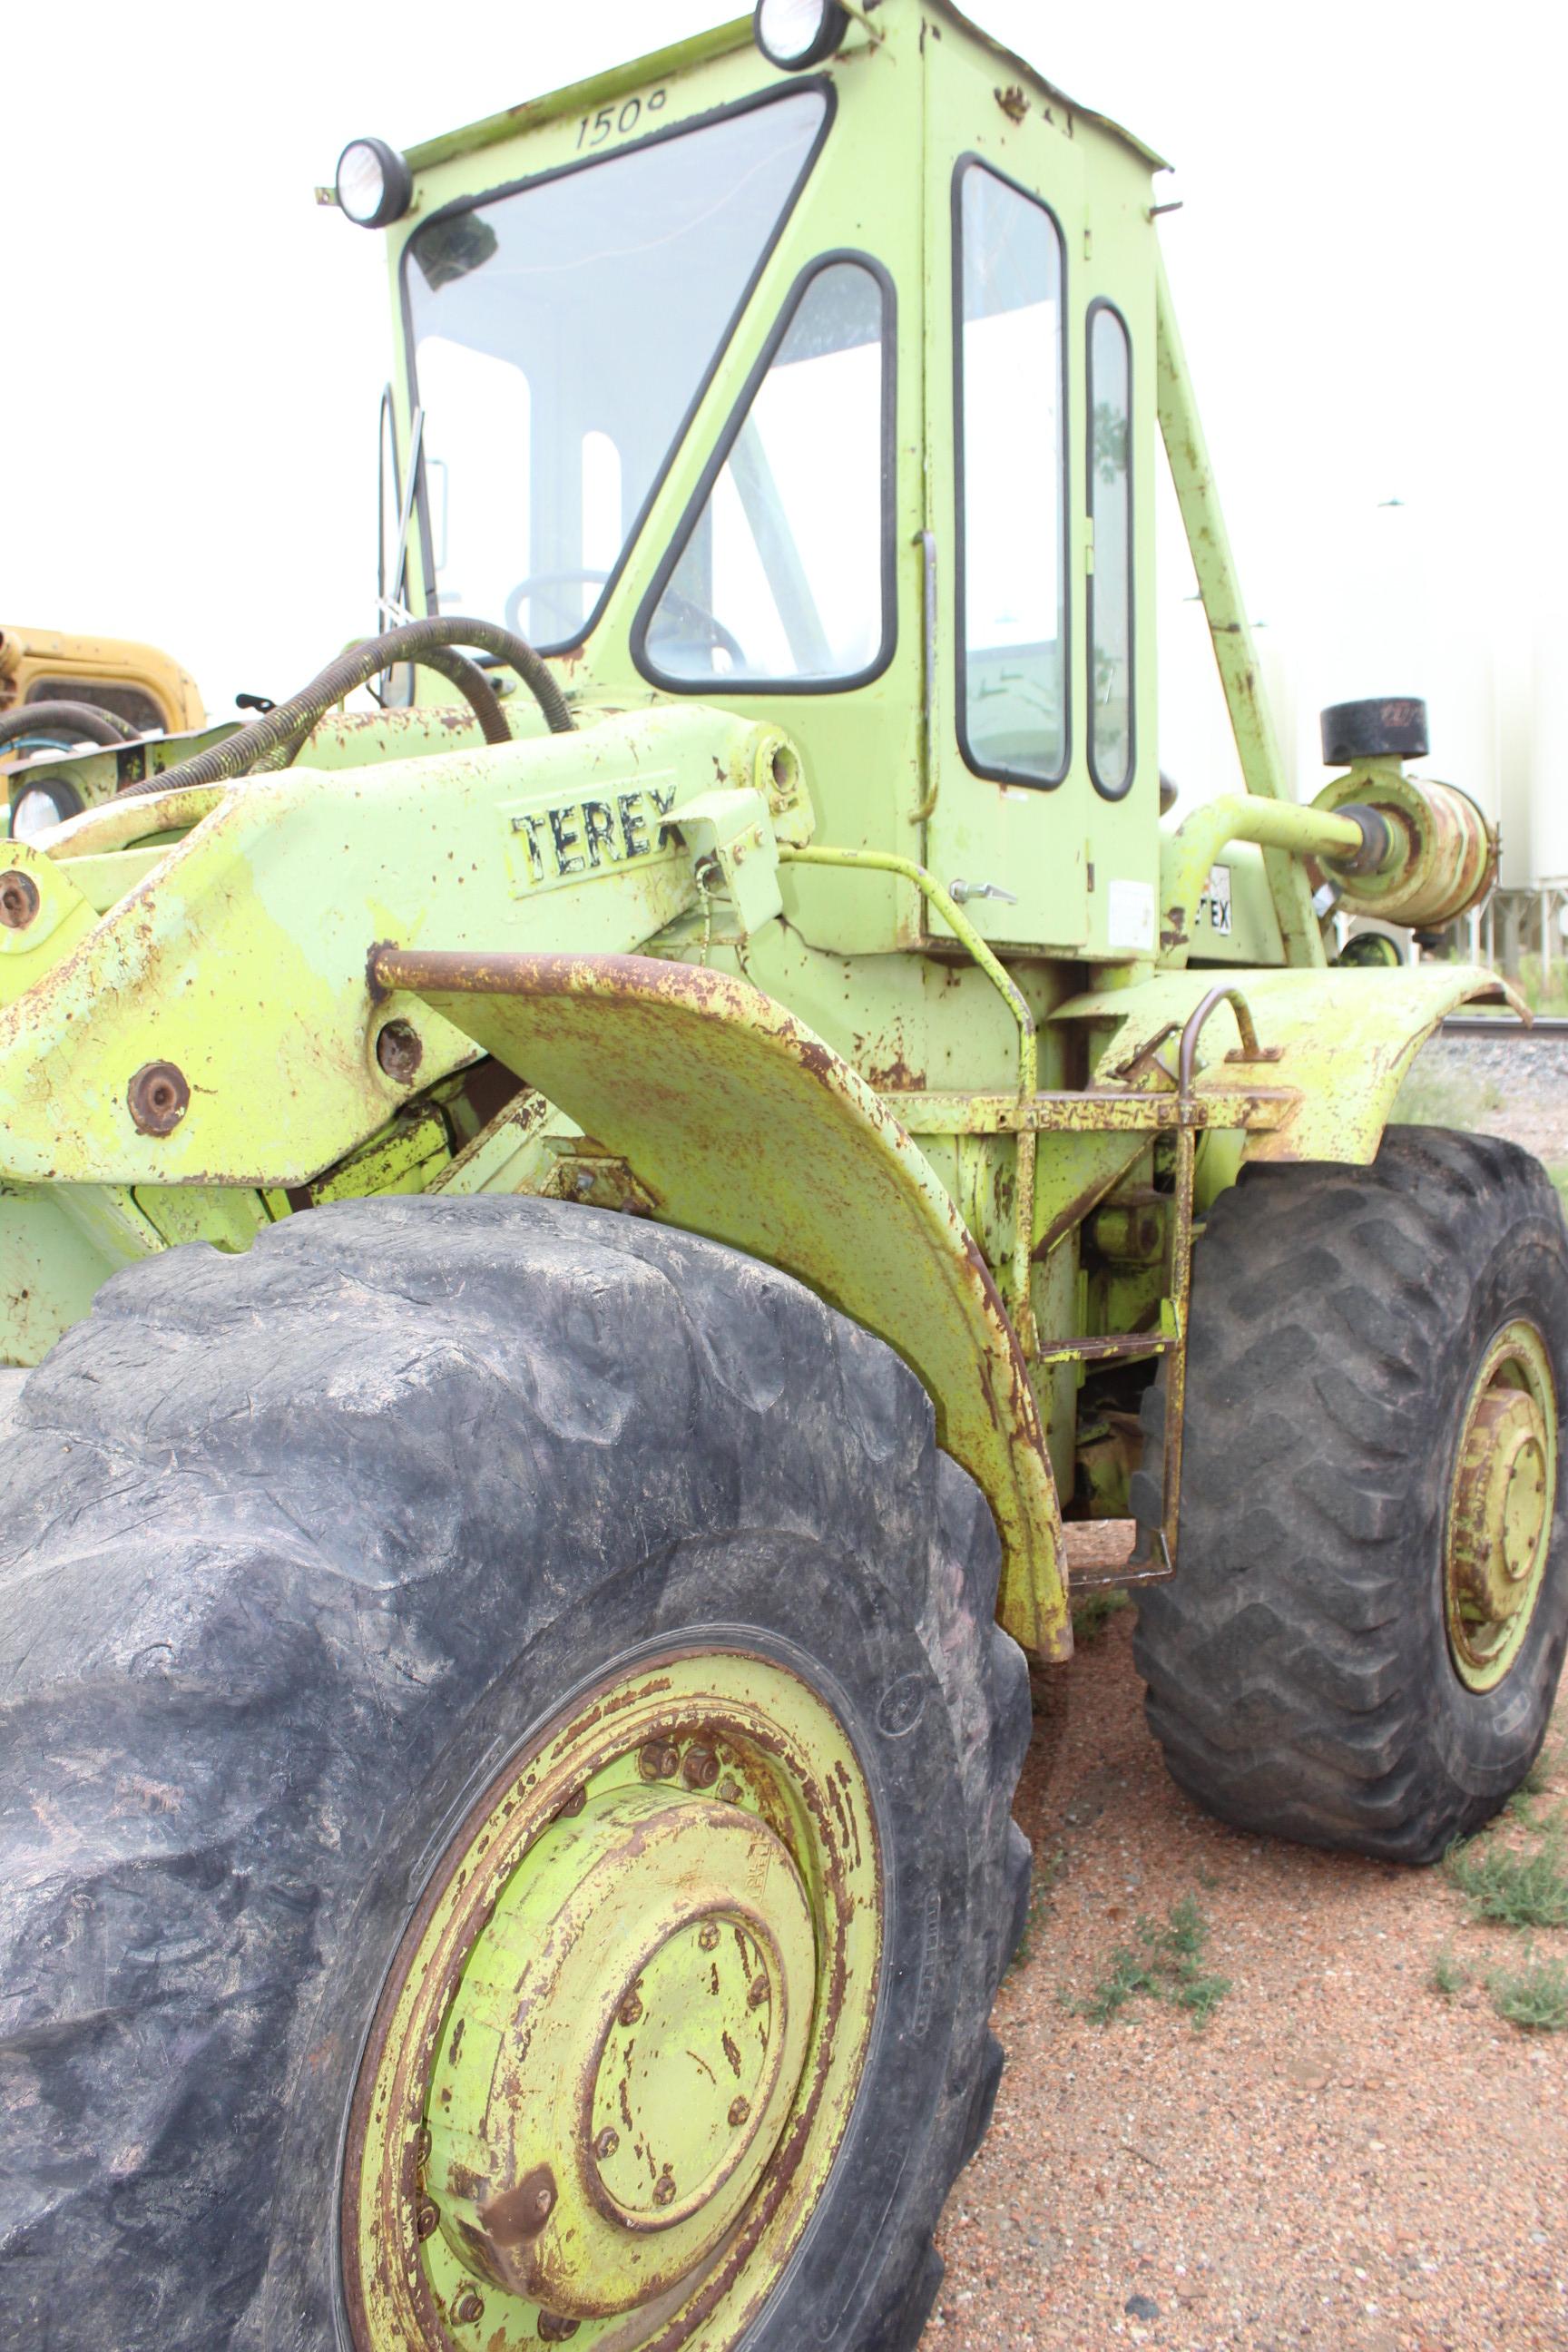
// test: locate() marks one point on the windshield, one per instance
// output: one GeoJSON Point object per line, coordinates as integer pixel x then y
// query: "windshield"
{"type": "Point", "coordinates": [559, 338]}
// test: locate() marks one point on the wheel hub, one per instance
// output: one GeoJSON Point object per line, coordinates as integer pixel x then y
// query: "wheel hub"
{"type": "Point", "coordinates": [1500, 1507]}
{"type": "Point", "coordinates": [622, 2039]}
{"type": "Point", "coordinates": [624, 2049]}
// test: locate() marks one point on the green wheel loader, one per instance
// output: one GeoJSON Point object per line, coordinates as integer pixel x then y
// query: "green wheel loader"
{"type": "Point", "coordinates": [592, 1255]}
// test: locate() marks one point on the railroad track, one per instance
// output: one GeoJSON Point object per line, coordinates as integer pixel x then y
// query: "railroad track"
{"type": "Point", "coordinates": [1480, 1024]}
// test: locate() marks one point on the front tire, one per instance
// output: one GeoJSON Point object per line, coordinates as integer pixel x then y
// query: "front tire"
{"type": "Point", "coordinates": [326, 1565]}
{"type": "Point", "coordinates": [1378, 1359]}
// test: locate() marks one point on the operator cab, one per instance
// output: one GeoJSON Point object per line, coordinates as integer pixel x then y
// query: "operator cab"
{"type": "Point", "coordinates": [832, 389]}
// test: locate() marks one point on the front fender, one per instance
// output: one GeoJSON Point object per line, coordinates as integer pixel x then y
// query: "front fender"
{"type": "Point", "coordinates": [740, 1124]}
{"type": "Point", "coordinates": [1340, 1042]}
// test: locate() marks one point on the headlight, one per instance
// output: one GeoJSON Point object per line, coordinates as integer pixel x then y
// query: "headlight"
{"type": "Point", "coordinates": [374, 184]}
{"type": "Point", "coordinates": [40, 806]}
{"type": "Point", "coordinates": [793, 34]}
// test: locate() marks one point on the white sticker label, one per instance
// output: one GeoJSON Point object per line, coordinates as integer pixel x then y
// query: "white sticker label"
{"type": "Point", "coordinates": [1214, 906]}
{"type": "Point", "coordinates": [1131, 922]}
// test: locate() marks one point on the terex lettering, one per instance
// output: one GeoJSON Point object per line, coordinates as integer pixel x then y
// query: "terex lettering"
{"type": "Point", "coordinates": [591, 836]}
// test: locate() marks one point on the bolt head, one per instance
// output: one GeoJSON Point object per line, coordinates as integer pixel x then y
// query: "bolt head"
{"type": "Point", "coordinates": [427, 2220]}
{"type": "Point", "coordinates": [606, 2144]}
{"type": "Point", "coordinates": [630, 2010]}
{"type": "Point", "coordinates": [658, 1759]}
{"type": "Point", "coordinates": [700, 1769]}
{"type": "Point", "coordinates": [708, 1936]}
{"type": "Point", "coordinates": [18, 900]}
{"type": "Point", "coordinates": [758, 1993]}
{"type": "Point", "coordinates": [555, 2329]}
{"type": "Point", "coordinates": [664, 2191]}
{"type": "Point", "coordinates": [739, 2112]}
{"type": "Point", "coordinates": [399, 1050]}
{"type": "Point", "coordinates": [468, 2308]}
{"type": "Point", "coordinates": [158, 1098]}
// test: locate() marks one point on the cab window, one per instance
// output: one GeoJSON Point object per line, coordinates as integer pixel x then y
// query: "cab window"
{"type": "Point", "coordinates": [780, 575]}
{"type": "Point", "coordinates": [1011, 459]}
{"type": "Point", "coordinates": [1111, 735]}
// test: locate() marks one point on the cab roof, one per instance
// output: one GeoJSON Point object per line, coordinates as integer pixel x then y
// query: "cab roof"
{"type": "Point", "coordinates": [586, 96]}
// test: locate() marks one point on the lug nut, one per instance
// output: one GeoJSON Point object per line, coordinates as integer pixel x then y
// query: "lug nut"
{"type": "Point", "coordinates": [606, 2144]}
{"type": "Point", "coordinates": [708, 1936]}
{"type": "Point", "coordinates": [18, 900]}
{"type": "Point", "coordinates": [427, 2220]}
{"type": "Point", "coordinates": [630, 2010]}
{"type": "Point", "coordinates": [730, 1791]}
{"type": "Point", "coordinates": [700, 1769]}
{"type": "Point", "coordinates": [422, 2145]}
{"type": "Point", "coordinates": [664, 2191]}
{"type": "Point", "coordinates": [554, 2329]}
{"type": "Point", "coordinates": [468, 2308]}
{"type": "Point", "coordinates": [659, 1759]}
{"type": "Point", "coordinates": [739, 2112]}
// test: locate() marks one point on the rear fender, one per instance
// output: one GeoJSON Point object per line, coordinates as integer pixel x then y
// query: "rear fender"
{"type": "Point", "coordinates": [1339, 1041]}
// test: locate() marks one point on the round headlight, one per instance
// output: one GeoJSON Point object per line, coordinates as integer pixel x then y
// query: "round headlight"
{"type": "Point", "coordinates": [374, 184]}
{"type": "Point", "coordinates": [39, 807]}
{"type": "Point", "coordinates": [793, 34]}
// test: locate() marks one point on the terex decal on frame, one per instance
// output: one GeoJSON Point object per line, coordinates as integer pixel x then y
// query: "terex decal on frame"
{"type": "Point", "coordinates": [594, 835]}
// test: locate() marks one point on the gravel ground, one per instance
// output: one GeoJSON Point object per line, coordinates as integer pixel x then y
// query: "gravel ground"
{"type": "Point", "coordinates": [1340, 2158]}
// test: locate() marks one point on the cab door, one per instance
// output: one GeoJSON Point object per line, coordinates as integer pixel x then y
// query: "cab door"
{"type": "Point", "coordinates": [1009, 792]}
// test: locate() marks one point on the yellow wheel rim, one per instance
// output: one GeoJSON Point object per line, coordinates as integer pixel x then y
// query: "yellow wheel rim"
{"type": "Point", "coordinates": [620, 2044]}
{"type": "Point", "coordinates": [1500, 1506]}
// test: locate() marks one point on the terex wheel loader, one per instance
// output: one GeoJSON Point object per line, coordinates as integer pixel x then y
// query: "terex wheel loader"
{"type": "Point", "coordinates": [588, 1266]}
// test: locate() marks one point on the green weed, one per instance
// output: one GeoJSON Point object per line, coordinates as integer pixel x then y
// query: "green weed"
{"type": "Point", "coordinates": [1534, 1996]}
{"type": "Point", "coordinates": [1167, 1963]}
{"type": "Point", "coordinates": [1519, 1890]}
{"type": "Point", "coordinates": [1094, 1611]}
{"type": "Point", "coordinates": [1447, 1975]}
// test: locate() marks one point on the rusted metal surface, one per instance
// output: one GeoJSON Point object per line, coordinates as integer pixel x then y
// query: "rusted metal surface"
{"type": "Point", "coordinates": [1342, 1040]}
{"type": "Point", "coordinates": [400, 1049]}
{"type": "Point", "coordinates": [1445, 856]}
{"type": "Point", "coordinates": [158, 1098]}
{"type": "Point", "coordinates": [18, 900]}
{"type": "Point", "coordinates": [742, 1125]}
{"type": "Point", "coordinates": [1097, 1110]}
{"type": "Point", "coordinates": [623, 2033]}
{"type": "Point", "coordinates": [1019, 1302]}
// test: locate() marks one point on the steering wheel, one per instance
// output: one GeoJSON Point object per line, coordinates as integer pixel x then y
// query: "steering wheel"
{"type": "Point", "coordinates": [687, 606]}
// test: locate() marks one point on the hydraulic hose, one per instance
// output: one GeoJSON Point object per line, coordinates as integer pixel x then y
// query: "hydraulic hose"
{"type": "Point", "coordinates": [83, 718]}
{"type": "Point", "coordinates": [244, 752]}
{"type": "Point", "coordinates": [466, 676]}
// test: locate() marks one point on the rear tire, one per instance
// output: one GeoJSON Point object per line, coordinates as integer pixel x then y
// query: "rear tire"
{"type": "Point", "coordinates": [1300, 1667]}
{"type": "Point", "coordinates": [302, 1550]}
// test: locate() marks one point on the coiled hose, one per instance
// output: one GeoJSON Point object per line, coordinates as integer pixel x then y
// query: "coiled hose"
{"type": "Point", "coordinates": [83, 718]}
{"type": "Point", "coordinates": [284, 728]}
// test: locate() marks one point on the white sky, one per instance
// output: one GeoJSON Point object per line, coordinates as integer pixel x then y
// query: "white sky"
{"type": "Point", "coordinates": [1366, 269]}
